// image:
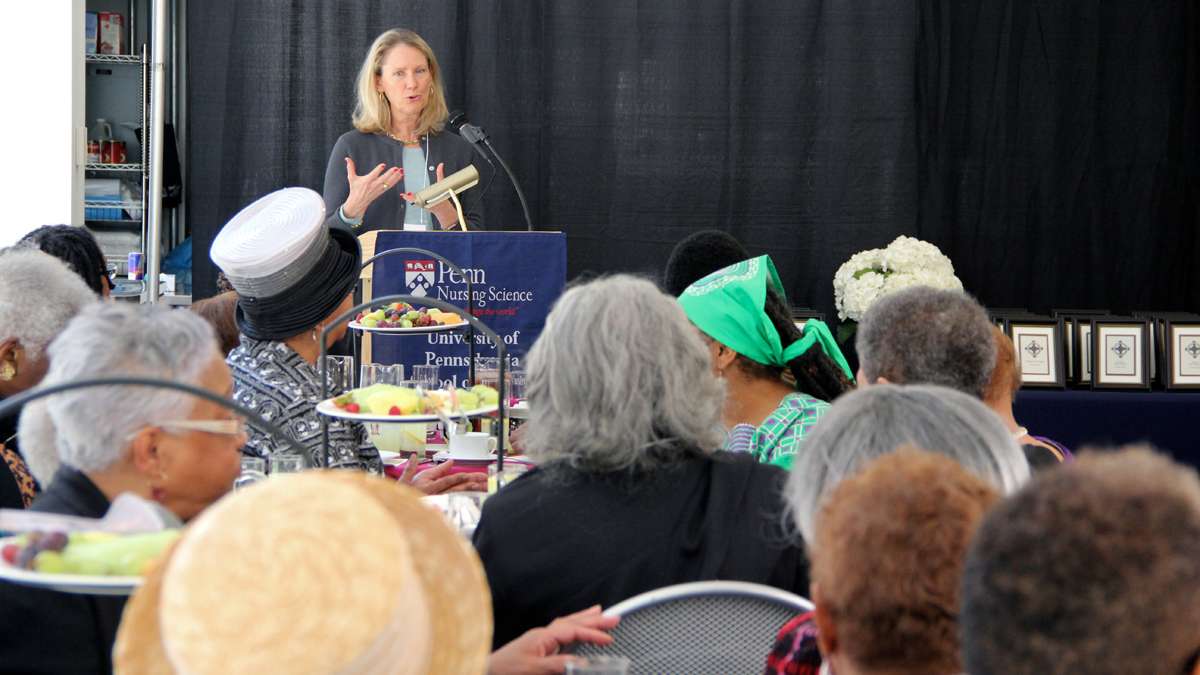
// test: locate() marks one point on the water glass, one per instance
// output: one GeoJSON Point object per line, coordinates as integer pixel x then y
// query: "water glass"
{"type": "Point", "coordinates": [378, 373]}
{"type": "Point", "coordinates": [487, 370]}
{"type": "Point", "coordinates": [516, 386]}
{"type": "Point", "coordinates": [462, 509]}
{"type": "Point", "coordinates": [339, 373]}
{"type": "Point", "coordinates": [497, 479]}
{"type": "Point", "coordinates": [254, 469]}
{"type": "Point", "coordinates": [599, 665]}
{"type": "Point", "coordinates": [426, 377]}
{"type": "Point", "coordinates": [284, 464]}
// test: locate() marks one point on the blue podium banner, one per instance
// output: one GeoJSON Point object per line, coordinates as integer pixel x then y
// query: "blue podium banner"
{"type": "Point", "coordinates": [515, 278]}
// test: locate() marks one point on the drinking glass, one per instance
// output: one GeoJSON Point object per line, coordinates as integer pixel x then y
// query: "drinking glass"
{"type": "Point", "coordinates": [599, 665]}
{"type": "Point", "coordinates": [410, 437]}
{"type": "Point", "coordinates": [378, 373]}
{"type": "Point", "coordinates": [284, 464]}
{"type": "Point", "coordinates": [254, 469]}
{"type": "Point", "coordinates": [339, 373]}
{"type": "Point", "coordinates": [461, 508]}
{"type": "Point", "coordinates": [497, 479]}
{"type": "Point", "coordinates": [426, 377]}
{"type": "Point", "coordinates": [487, 370]}
{"type": "Point", "coordinates": [516, 386]}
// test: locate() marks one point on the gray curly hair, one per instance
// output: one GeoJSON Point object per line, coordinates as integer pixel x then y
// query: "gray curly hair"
{"type": "Point", "coordinates": [923, 335]}
{"type": "Point", "coordinates": [38, 295]}
{"type": "Point", "coordinates": [874, 421]}
{"type": "Point", "coordinates": [620, 379]}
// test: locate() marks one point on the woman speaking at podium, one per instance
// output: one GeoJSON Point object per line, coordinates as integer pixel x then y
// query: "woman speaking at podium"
{"type": "Point", "coordinates": [399, 144]}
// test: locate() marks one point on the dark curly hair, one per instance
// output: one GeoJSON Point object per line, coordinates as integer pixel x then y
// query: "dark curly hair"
{"type": "Point", "coordinates": [76, 247]}
{"type": "Point", "coordinates": [699, 255]}
{"type": "Point", "coordinates": [1093, 567]}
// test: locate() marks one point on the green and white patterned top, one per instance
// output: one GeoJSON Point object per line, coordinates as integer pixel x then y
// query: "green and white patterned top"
{"type": "Point", "coordinates": [780, 436]}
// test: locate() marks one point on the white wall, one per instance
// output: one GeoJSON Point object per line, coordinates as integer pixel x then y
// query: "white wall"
{"type": "Point", "coordinates": [41, 122]}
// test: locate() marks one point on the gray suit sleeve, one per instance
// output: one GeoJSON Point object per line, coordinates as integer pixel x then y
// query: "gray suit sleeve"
{"type": "Point", "coordinates": [333, 220]}
{"type": "Point", "coordinates": [336, 188]}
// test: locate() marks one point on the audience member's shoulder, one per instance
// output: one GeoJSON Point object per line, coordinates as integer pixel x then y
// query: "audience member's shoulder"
{"type": "Point", "coordinates": [811, 402]}
{"type": "Point", "coordinates": [519, 492]}
{"type": "Point", "coordinates": [1040, 456]}
{"type": "Point", "coordinates": [742, 463]}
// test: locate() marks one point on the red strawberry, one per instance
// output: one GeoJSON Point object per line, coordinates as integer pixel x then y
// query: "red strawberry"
{"type": "Point", "coordinates": [10, 553]}
{"type": "Point", "coordinates": [394, 410]}
{"type": "Point", "coordinates": [352, 407]}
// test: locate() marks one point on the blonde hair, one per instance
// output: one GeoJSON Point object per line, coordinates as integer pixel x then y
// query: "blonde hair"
{"type": "Point", "coordinates": [372, 114]}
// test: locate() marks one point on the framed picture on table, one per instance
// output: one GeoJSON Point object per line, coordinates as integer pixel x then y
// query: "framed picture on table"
{"type": "Point", "coordinates": [1039, 348]}
{"type": "Point", "coordinates": [1182, 352]}
{"type": "Point", "coordinates": [1078, 334]}
{"type": "Point", "coordinates": [1159, 369]}
{"type": "Point", "coordinates": [1120, 353]}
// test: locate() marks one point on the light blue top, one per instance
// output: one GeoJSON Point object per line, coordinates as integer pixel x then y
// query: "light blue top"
{"type": "Point", "coordinates": [415, 179]}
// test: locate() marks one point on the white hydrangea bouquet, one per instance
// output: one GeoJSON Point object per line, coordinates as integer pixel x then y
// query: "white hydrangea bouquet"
{"type": "Point", "coordinates": [872, 274]}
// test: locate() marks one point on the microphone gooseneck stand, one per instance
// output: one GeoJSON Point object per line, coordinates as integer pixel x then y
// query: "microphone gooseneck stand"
{"type": "Point", "coordinates": [515, 184]}
{"type": "Point", "coordinates": [476, 136]}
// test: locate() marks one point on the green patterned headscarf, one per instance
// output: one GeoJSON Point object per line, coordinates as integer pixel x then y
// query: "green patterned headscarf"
{"type": "Point", "coordinates": [728, 305]}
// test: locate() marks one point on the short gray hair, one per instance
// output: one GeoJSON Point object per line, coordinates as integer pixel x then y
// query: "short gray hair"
{"type": "Point", "coordinates": [39, 442]}
{"type": "Point", "coordinates": [923, 335]}
{"type": "Point", "coordinates": [620, 379]}
{"type": "Point", "coordinates": [874, 421]}
{"type": "Point", "coordinates": [38, 295]}
{"type": "Point", "coordinates": [94, 425]}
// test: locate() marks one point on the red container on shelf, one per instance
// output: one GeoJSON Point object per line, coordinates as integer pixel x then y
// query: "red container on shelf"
{"type": "Point", "coordinates": [112, 152]}
{"type": "Point", "coordinates": [111, 33]}
{"type": "Point", "coordinates": [93, 152]}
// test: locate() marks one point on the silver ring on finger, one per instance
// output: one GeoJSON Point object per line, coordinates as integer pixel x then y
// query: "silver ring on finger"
{"type": "Point", "coordinates": [385, 186]}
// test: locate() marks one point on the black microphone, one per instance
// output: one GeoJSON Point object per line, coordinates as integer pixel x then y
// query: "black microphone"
{"type": "Point", "coordinates": [457, 122]}
{"type": "Point", "coordinates": [477, 137]}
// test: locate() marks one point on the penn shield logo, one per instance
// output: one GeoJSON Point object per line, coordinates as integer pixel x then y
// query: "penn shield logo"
{"type": "Point", "coordinates": [419, 276]}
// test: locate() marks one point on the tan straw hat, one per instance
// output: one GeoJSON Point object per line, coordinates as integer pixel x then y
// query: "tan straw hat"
{"type": "Point", "coordinates": [318, 572]}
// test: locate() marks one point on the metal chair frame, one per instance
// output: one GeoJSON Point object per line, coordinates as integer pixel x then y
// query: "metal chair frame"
{"type": "Point", "coordinates": [683, 654]}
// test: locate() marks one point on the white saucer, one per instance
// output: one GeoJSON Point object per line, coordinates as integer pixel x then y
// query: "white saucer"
{"type": "Point", "coordinates": [391, 457]}
{"type": "Point", "coordinates": [445, 455]}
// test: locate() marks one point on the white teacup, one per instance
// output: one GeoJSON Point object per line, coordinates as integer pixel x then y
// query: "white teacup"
{"type": "Point", "coordinates": [472, 445]}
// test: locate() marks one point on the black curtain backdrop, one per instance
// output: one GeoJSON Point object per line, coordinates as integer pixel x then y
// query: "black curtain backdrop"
{"type": "Point", "coordinates": [1049, 148]}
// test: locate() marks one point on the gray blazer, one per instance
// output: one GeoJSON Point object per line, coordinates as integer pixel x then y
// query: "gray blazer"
{"type": "Point", "coordinates": [387, 212]}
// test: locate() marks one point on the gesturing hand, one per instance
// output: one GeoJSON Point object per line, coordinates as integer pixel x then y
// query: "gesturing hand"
{"type": "Point", "coordinates": [437, 480]}
{"type": "Point", "coordinates": [368, 187]}
{"type": "Point", "coordinates": [536, 651]}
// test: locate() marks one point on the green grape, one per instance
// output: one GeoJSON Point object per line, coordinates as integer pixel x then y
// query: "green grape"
{"type": "Point", "coordinates": [50, 562]}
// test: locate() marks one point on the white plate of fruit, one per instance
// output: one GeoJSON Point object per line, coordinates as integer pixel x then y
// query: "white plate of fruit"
{"type": "Point", "coordinates": [401, 317]}
{"type": "Point", "coordinates": [390, 403]}
{"type": "Point", "coordinates": [91, 563]}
